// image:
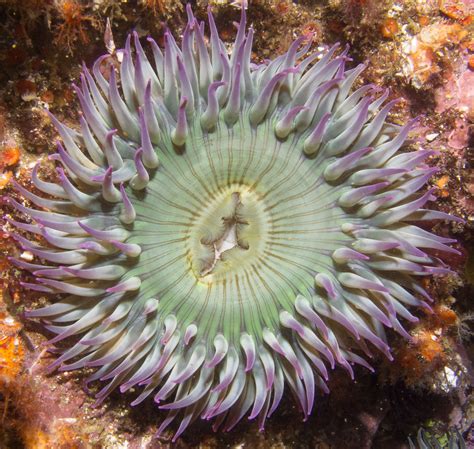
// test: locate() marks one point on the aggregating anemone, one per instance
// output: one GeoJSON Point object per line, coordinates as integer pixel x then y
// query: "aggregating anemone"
{"type": "Point", "coordinates": [221, 229]}
{"type": "Point", "coordinates": [455, 441]}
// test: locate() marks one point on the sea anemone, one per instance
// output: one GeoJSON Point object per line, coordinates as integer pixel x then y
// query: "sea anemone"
{"type": "Point", "coordinates": [223, 229]}
{"type": "Point", "coordinates": [455, 441]}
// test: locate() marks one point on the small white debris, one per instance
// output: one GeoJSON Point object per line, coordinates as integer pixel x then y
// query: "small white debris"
{"type": "Point", "coordinates": [29, 96]}
{"type": "Point", "coordinates": [109, 38]}
{"type": "Point", "coordinates": [26, 255]}
{"type": "Point", "coordinates": [432, 136]}
{"type": "Point", "coordinates": [449, 380]}
{"type": "Point", "coordinates": [68, 420]}
{"type": "Point", "coordinates": [240, 4]}
{"type": "Point", "coordinates": [9, 321]}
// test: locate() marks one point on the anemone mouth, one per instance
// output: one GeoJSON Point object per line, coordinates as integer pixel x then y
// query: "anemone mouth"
{"type": "Point", "coordinates": [222, 230]}
{"type": "Point", "coordinates": [229, 236]}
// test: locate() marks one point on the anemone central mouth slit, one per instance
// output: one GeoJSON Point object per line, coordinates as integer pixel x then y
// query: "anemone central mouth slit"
{"type": "Point", "coordinates": [230, 231]}
{"type": "Point", "coordinates": [230, 237]}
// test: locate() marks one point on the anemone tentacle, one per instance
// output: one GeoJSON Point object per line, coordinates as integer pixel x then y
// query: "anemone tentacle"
{"type": "Point", "coordinates": [222, 230]}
